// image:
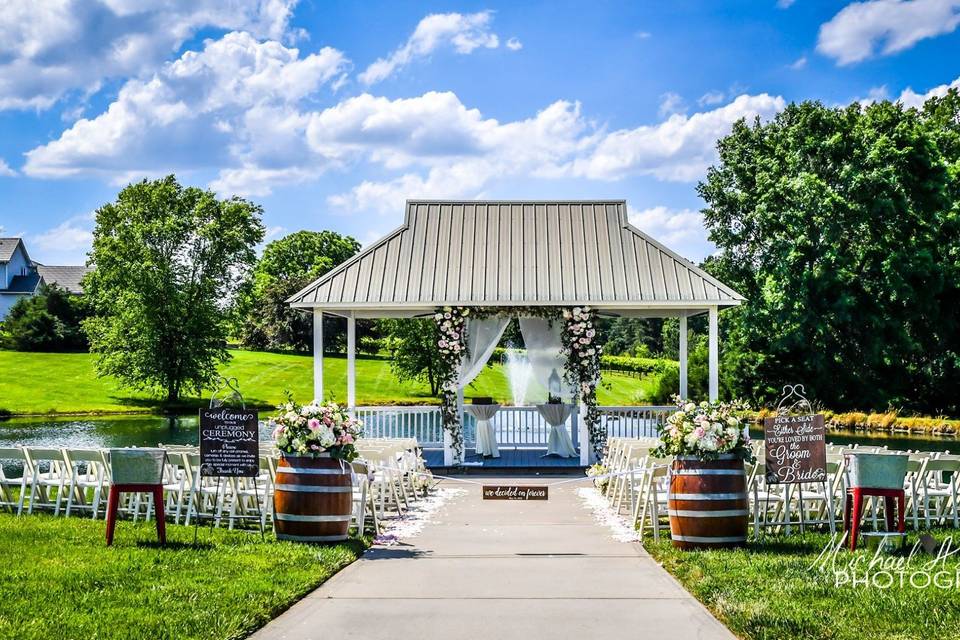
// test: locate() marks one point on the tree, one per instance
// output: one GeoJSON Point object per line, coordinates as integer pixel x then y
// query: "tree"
{"type": "Point", "coordinates": [841, 228]}
{"type": "Point", "coordinates": [288, 265]}
{"type": "Point", "coordinates": [166, 260]}
{"type": "Point", "coordinates": [47, 321]}
{"type": "Point", "coordinates": [633, 336]}
{"type": "Point", "coordinates": [413, 347]}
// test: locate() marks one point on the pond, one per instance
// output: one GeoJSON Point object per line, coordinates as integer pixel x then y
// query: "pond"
{"type": "Point", "coordinates": [150, 430]}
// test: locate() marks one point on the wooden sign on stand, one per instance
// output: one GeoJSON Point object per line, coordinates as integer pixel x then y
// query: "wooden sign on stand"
{"type": "Point", "coordinates": [796, 449]}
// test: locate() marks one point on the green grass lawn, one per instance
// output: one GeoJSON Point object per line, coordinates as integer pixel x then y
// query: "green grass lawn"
{"type": "Point", "coordinates": [44, 383]}
{"type": "Point", "coordinates": [769, 592]}
{"type": "Point", "coordinates": [59, 580]}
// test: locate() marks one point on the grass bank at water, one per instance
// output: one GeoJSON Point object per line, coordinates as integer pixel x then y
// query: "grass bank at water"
{"type": "Point", "coordinates": [66, 383]}
{"type": "Point", "coordinates": [59, 580]}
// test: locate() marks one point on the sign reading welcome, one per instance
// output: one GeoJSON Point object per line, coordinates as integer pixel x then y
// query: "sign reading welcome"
{"type": "Point", "coordinates": [229, 443]}
{"type": "Point", "coordinates": [796, 449]}
{"type": "Point", "coordinates": [514, 492]}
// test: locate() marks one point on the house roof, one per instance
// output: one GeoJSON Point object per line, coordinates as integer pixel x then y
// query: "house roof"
{"type": "Point", "coordinates": [516, 253]}
{"type": "Point", "coordinates": [7, 247]}
{"type": "Point", "coordinates": [23, 284]}
{"type": "Point", "coordinates": [67, 277]}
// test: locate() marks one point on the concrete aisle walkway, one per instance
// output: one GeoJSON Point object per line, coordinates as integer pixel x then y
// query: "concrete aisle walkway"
{"type": "Point", "coordinates": [502, 570]}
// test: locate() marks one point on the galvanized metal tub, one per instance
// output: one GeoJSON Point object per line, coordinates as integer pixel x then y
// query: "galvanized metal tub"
{"type": "Point", "coordinates": [876, 470]}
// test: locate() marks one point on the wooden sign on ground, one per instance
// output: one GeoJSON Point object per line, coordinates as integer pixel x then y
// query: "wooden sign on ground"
{"type": "Point", "coordinates": [229, 443]}
{"type": "Point", "coordinates": [795, 449]}
{"type": "Point", "coordinates": [514, 492]}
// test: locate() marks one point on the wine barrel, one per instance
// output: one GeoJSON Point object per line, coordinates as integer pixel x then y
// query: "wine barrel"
{"type": "Point", "coordinates": [707, 503]}
{"type": "Point", "coordinates": [312, 499]}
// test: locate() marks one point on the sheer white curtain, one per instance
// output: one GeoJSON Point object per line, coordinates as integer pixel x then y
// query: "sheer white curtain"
{"type": "Point", "coordinates": [482, 338]}
{"type": "Point", "coordinates": [544, 350]}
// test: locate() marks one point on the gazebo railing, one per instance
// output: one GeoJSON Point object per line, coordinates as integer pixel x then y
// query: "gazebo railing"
{"type": "Point", "coordinates": [420, 422]}
{"type": "Point", "coordinates": [514, 426]}
{"type": "Point", "coordinates": [634, 422]}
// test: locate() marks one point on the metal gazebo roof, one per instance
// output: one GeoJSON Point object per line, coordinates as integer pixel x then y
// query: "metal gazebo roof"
{"type": "Point", "coordinates": [515, 253]}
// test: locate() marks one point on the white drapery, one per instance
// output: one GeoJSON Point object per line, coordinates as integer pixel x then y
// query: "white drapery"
{"type": "Point", "coordinates": [544, 350]}
{"type": "Point", "coordinates": [482, 338]}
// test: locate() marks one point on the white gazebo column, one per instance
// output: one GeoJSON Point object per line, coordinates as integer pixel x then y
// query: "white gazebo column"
{"type": "Point", "coordinates": [579, 413]}
{"type": "Point", "coordinates": [463, 423]}
{"type": "Point", "coordinates": [351, 361]}
{"type": "Point", "coordinates": [714, 350]}
{"type": "Point", "coordinates": [683, 355]}
{"type": "Point", "coordinates": [317, 355]}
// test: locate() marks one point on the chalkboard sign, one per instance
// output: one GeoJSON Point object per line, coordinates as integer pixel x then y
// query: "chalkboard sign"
{"type": "Point", "coordinates": [796, 449]}
{"type": "Point", "coordinates": [229, 443]}
{"type": "Point", "coordinates": [514, 492]}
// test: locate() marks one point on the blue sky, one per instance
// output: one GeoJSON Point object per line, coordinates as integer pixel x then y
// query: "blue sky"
{"type": "Point", "coordinates": [330, 114]}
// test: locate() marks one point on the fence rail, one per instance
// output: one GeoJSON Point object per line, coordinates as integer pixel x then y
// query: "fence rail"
{"type": "Point", "coordinates": [513, 426]}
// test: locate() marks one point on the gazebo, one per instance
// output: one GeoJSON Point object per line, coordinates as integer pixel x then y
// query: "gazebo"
{"type": "Point", "coordinates": [520, 258]}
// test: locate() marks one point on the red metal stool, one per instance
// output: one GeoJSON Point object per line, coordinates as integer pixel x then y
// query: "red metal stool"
{"type": "Point", "coordinates": [853, 505]}
{"type": "Point", "coordinates": [136, 471]}
{"type": "Point", "coordinates": [114, 504]}
{"type": "Point", "coordinates": [873, 474]}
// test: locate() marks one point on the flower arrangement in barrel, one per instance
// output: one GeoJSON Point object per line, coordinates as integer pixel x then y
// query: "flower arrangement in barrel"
{"type": "Point", "coordinates": [314, 429]}
{"type": "Point", "coordinates": [705, 430]}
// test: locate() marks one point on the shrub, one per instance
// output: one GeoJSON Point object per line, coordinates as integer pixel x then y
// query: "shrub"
{"type": "Point", "coordinates": [47, 321]}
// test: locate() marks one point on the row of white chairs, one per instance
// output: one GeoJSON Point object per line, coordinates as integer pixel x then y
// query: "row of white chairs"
{"type": "Point", "coordinates": [639, 483]}
{"type": "Point", "coordinates": [390, 474]}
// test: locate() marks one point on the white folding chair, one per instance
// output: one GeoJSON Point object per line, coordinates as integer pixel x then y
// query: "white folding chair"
{"type": "Point", "coordinates": [87, 473]}
{"type": "Point", "coordinates": [47, 471]}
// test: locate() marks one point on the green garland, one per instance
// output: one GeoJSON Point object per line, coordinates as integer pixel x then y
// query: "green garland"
{"type": "Point", "coordinates": [579, 342]}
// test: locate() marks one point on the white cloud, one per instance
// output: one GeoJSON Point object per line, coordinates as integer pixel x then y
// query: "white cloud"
{"type": "Point", "coordinates": [641, 35]}
{"type": "Point", "coordinates": [864, 29]}
{"type": "Point", "coordinates": [48, 49]}
{"type": "Point", "coordinates": [461, 151]}
{"type": "Point", "coordinates": [680, 229]}
{"type": "Point", "coordinates": [711, 98]}
{"type": "Point", "coordinates": [799, 63]}
{"type": "Point", "coordinates": [671, 103]}
{"type": "Point", "coordinates": [679, 149]}
{"type": "Point", "coordinates": [66, 243]}
{"type": "Point", "coordinates": [463, 33]}
{"type": "Point", "coordinates": [557, 143]}
{"type": "Point", "coordinates": [5, 170]}
{"type": "Point", "coordinates": [230, 105]}
{"type": "Point", "coordinates": [514, 44]}
{"type": "Point", "coordinates": [785, 4]}
{"type": "Point", "coordinates": [910, 98]}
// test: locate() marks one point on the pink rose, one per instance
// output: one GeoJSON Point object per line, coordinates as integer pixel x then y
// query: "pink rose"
{"type": "Point", "coordinates": [346, 439]}
{"type": "Point", "coordinates": [313, 423]}
{"type": "Point", "coordinates": [699, 432]}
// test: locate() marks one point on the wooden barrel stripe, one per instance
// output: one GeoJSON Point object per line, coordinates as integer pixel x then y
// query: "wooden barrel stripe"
{"type": "Point", "coordinates": [313, 488]}
{"type": "Point", "coordinates": [294, 538]}
{"type": "Point", "coordinates": [709, 539]}
{"type": "Point", "coordinates": [720, 513]}
{"type": "Point", "coordinates": [705, 496]}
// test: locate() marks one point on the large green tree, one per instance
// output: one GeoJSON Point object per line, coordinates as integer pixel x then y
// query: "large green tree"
{"type": "Point", "coordinates": [841, 228]}
{"type": "Point", "coordinates": [286, 266]}
{"type": "Point", "coordinates": [166, 260]}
